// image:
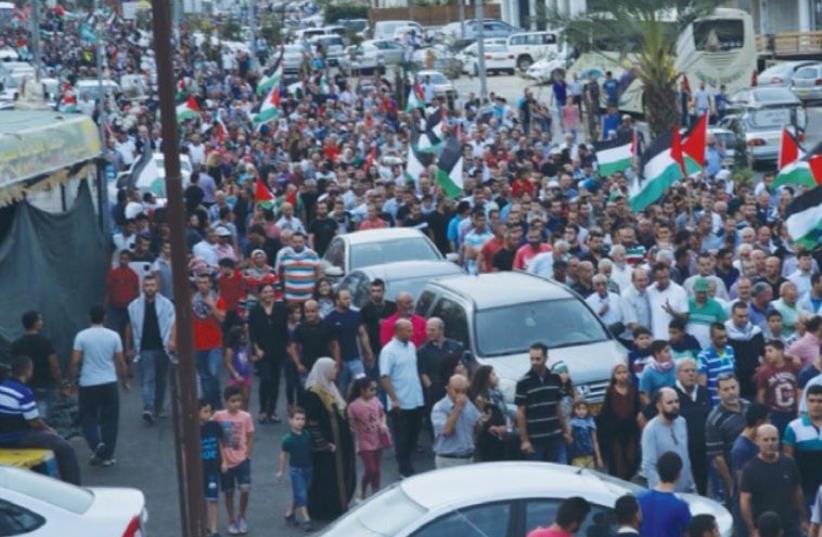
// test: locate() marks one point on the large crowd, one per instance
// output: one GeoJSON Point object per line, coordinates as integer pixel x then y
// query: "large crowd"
{"type": "Point", "coordinates": [721, 392]}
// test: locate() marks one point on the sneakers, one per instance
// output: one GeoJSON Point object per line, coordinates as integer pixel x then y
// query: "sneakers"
{"type": "Point", "coordinates": [233, 529]}
{"type": "Point", "coordinates": [308, 526]}
{"type": "Point", "coordinates": [291, 520]}
{"type": "Point", "coordinates": [97, 457]}
{"type": "Point", "coordinates": [109, 462]}
{"type": "Point", "coordinates": [242, 525]}
{"type": "Point", "coordinates": [148, 418]}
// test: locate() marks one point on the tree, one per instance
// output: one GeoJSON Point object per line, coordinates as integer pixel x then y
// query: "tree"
{"type": "Point", "coordinates": [644, 34]}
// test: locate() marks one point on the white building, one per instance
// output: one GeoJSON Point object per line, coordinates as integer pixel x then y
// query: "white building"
{"type": "Point", "coordinates": [775, 16]}
{"type": "Point", "coordinates": [526, 13]}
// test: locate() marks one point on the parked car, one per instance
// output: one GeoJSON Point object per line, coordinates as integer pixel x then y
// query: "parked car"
{"type": "Point", "coordinates": [467, 55]}
{"type": "Point", "coordinates": [529, 47]}
{"type": "Point", "coordinates": [373, 54]}
{"type": "Point", "coordinates": [498, 315]}
{"type": "Point", "coordinates": [498, 59]}
{"type": "Point", "coordinates": [807, 83]}
{"type": "Point", "coordinates": [442, 86]}
{"type": "Point", "coordinates": [780, 74]}
{"type": "Point", "coordinates": [358, 27]}
{"type": "Point", "coordinates": [332, 44]}
{"type": "Point", "coordinates": [759, 114]}
{"type": "Point", "coordinates": [491, 28]}
{"type": "Point", "coordinates": [293, 58]}
{"type": "Point", "coordinates": [402, 276]}
{"type": "Point", "coordinates": [38, 506]}
{"type": "Point", "coordinates": [458, 502]}
{"type": "Point", "coordinates": [386, 29]}
{"type": "Point", "coordinates": [91, 87]}
{"type": "Point", "coordinates": [543, 70]}
{"type": "Point", "coordinates": [439, 57]}
{"type": "Point", "coordinates": [361, 249]}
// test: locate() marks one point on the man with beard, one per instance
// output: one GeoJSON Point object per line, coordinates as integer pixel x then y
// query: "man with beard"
{"type": "Point", "coordinates": [748, 344]}
{"type": "Point", "coordinates": [667, 431]}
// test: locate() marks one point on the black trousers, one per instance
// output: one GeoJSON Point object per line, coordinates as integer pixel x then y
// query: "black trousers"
{"type": "Point", "coordinates": [407, 425]}
{"type": "Point", "coordinates": [100, 416]}
{"type": "Point", "coordinates": [270, 371]}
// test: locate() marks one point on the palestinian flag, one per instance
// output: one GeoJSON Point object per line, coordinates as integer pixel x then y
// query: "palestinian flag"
{"type": "Point", "coordinates": [661, 167]}
{"type": "Point", "coordinates": [615, 155]}
{"type": "Point", "coordinates": [269, 108]}
{"type": "Point", "coordinates": [217, 129]}
{"type": "Point", "coordinates": [146, 176]}
{"type": "Point", "coordinates": [418, 161]}
{"type": "Point", "coordinates": [416, 98]}
{"type": "Point", "coordinates": [792, 165]}
{"type": "Point", "coordinates": [262, 194]}
{"type": "Point", "coordinates": [804, 217]}
{"type": "Point", "coordinates": [68, 105]}
{"type": "Point", "coordinates": [271, 79]}
{"type": "Point", "coordinates": [693, 146]}
{"type": "Point", "coordinates": [435, 123]}
{"type": "Point", "coordinates": [189, 109]}
{"type": "Point", "coordinates": [449, 168]}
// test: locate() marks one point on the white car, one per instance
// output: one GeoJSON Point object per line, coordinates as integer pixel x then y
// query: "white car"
{"type": "Point", "coordinates": [332, 44]}
{"type": "Point", "coordinates": [38, 506]}
{"type": "Point", "coordinates": [497, 59]}
{"type": "Point", "coordinates": [293, 58]}
{"type": "Point", "coordinates": [387, 29]}
{"type": "Point", "coordinates": [373, 54]}
{"type": "Point", "coordinates": [458, 502]}
{"type": "Point", "coordinates": [543, 70]}
{"type": "Point", "coordinates": [467, 55]}
{"type": "Point", "coordinates": [529, 47]}
{"type": "Point", "coordinates": [442, 86]}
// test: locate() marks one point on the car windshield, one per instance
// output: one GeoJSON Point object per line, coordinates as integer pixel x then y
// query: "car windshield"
{"type": "Point", "coordinates": [511, 329]}
{"type": "Point", "coordinates": [437, 78]}
{"type": "Point", "coordinates": [377, 253]}
{"type": "Point", "coordinates": [771, 118]}
{"type": "Point", "coordinates": [46, 489]}
{"type": "Point", "coordinates": [774, 95]}
{"type": "Point", "coordinates": [386, 513]}
{"type": "Point", "coordinates": [293, 49]}
{"type": "Point", "coordinates": [806, 72]}
{"type": "Point", "coordinates": [714, 35]}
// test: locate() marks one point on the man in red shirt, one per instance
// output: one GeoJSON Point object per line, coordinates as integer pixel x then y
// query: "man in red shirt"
{"type": "Point", "coordinates": [569, 520]}
{"type": "Point", "coordinates": [527, 252]}
{"type": "Point", "coordinates": [209, 312]}
{"type": "Point", "coordinates": [405, 310]}
{"type": "Point", "coordinates": [233, 290]}
{"type": "Point", "coordinates": [122, 286]}
{"type": "Point", "coordinates": [491, 247]}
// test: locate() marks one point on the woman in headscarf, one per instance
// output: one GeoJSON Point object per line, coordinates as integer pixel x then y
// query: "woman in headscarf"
{"type": "Point", "coordinates": [334, 475]}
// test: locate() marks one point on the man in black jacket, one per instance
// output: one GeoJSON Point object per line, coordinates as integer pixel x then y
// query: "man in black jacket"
{"type": "Point", "coordinates": [694, 406]}
{"type": "Point", "coordinates": [748, 344]}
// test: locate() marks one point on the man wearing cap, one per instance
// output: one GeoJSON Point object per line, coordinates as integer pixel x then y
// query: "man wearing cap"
{"type": "Point", "coordinates": [206, 249]}
{"type": "Point", "coordinates": [703, 311]}
{"type": "Point", "coordinates": [224, 247]}
{"type": "Point", "coordinates": [705, 269]}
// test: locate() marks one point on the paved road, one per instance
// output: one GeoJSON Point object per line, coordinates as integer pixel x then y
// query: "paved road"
{"type": "Point", "coordinates": [145, 460]}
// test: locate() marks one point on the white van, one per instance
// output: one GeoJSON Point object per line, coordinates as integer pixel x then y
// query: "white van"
{"type": "Point", "coordinates": [386, 29]}
{"type": "Point", "coordinates": [528, 47]}
{"type": "Point", "coordinates": [91, 87]}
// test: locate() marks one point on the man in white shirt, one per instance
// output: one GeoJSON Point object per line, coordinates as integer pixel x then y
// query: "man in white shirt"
{"type": "Point", "coordinates": [196, 150]}
{"type": "Point", "coordinates": [801, 277]}
{"type": "Point", "coordinates": [667, 301]}
{"type": "Point", "coordinates": [604, 303]}
{"type": "Point", "coordinates": [206, 249]}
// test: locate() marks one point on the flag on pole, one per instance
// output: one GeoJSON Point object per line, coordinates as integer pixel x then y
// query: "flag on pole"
{"type": "Point", "coordinates": [146, 176]}
{"type": "Point", "coordinates": [417, 162]}
{"type": "Point", "coordinates": [269, 108]}
{"type": "Point", "coordinates": [794, 168]}
{"type": "Point", "coordinates": [68, 104]}
{"type": "Point", "coordinates": [804, 218]}
{"type": "Point", "coordinates": [262, 194]}
{"type": "Point", "coordinates": [416, 98]}
{"type": "Point", "coordinates": [614, 155]}
{"type": "Point", "coordinates": [661, 167]}
{"type": "Point", "coordinates": [449, 168]}
{"type": "Point", "coordinates": [271, 79]}
{"type": "Point", "coordinates": [189, 109]}
{"type": "Point", "coordinates": [694, 142]}
{"type": "Point", "coordinates": [216, 128]}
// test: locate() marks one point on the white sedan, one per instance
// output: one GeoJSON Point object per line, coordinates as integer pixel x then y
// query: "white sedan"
{"type": "Point", "coordinates": [497, 59]}
{"type": "Point", "coordinates": [507, 499]}
{"type": "Point", "coordinates": [38, 506]}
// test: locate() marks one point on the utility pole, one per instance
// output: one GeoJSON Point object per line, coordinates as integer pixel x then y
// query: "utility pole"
{"type": "Point", "coordinates": [35, 37]}
{"type": "Point", "coordinates": [99, 32]}
{"type": "Point", "coordinates": [252, 25]}
{"type": "Point", "coordinates": [479, 14]}
{"type": "Point", "coordinates": [462, 19]}
{"type": "Point", "coordinates": [190, 488]}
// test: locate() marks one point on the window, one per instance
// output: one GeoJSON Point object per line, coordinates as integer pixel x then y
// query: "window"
{"type": "Point", "coordinates": [600, 522]}
{"type": "Point", "coordinates": [424, 303]}
{"type": "Point", "coordinates": [479, 521]}
{"type": "Point", "coordinates": [377, 253]}
{"type": "Point", "coordinates": [518, 40]}
{"type": "Point", "coordinates": [353, 282]}
{"type": "Point", "coordinates": [715, 35]}
{"type": "Point", "coordinates": [15, 520]}
{"type": "Point", "coordinates": [549, 39]}
{"type": "Point", "coordinates": [806, 72]}
{"type": "Point", "coordinates": [336, 253]}
{"type": "Point", "coordinates": [456, 322]}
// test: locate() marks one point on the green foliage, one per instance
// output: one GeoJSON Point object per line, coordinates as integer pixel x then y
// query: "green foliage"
{"type": "Point", "coordinates": [743, 175]}
{"type": "Point", "coordinates": [335, 12]}
{"type": "Point", "coordinates": [270, 29]}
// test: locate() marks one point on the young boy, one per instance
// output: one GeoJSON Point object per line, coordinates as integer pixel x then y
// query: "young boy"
{"type": "Point", "coordinates": [683, 344]}
{"type": "Point", "coordinates": [638, 356]}
{"type": "Point", "coordinates": [237, 445]}
{"type": "Point", "coordinates": [777, 385]}
{"type": "Point", "coordinates": [211, 436]}
{"type": "Point", "coordinates": [296, 453]}
{"type": "Point", "coordinates": [775, 330]}
{"type": "Point", "coordinates": [659, 372]}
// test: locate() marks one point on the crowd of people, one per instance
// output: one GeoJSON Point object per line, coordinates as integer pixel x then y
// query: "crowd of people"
{"type": "Point", "coordinates": [721, 392]}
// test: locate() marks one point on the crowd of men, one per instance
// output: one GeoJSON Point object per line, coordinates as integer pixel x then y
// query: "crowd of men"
{"type": "Point", "coordinates": [720, 313]}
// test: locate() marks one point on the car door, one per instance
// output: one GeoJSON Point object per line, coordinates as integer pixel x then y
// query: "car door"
{"type": "Point", "coordinates": [536, 512]}
{"type": "Point", "coordinates": [491, 519]}
{"type": "Point", "coordinates": [454, 316]}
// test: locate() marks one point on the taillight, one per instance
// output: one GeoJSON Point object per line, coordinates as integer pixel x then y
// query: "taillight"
{"type": "Point", "coordinates": [487, 56]}
{"type": "Point", "coordinates": [819, 81]}
{"type": "Point", "coordinates": [800, 137]}
{"type": "Point", "coordinates": [754, 79]}
{"type": "Point", "coordinates": [756, 142]}
{"type": "Point", "coordinates": [134, 528]}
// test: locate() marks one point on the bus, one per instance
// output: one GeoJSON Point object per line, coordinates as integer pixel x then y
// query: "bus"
{"type": "Point", "coordinates": [717, 49]}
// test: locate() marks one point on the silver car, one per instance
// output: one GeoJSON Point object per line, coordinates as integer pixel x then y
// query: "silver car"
{"type": "Point", "coordinates": [373, 54]}
{"type": "Point", "coordinates": [759, 114]}
{"type": "Point", "coordinates": [293, 58]}
{"type": "Point", "coordinates": [807, 83]}
{"type": "Point", "coordinates": [780, 74]}
{"type": "Point", "coordinates": [497, 316]}
{"type": "Point", "coordinates": [500, 499]}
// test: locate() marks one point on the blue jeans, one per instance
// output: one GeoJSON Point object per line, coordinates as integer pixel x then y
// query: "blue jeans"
{"type": "Point", "coordinates": [549, 450]}
{"type": "Point", "coordinates": [300, 483]}
{"type": "Point", "coordinates": [208, 369]}
{"type": "Point", "coordinates": [350, 370]}
{"type": "Point", "coordinates": [153, 367]}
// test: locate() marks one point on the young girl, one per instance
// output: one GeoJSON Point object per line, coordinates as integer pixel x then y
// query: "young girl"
{"type": "Point", "coordinates": [292, 378]}
{"type": "Point", "coordinates": [584, 450]}
{"type": "Point", "coordinates": [237, 356]}
{"type": "Point", "coordinates": [618, 423]}
{"type": "Point", "coordinates": [367, 420]}
{"type": "Point", "coordinates": [324, 295]}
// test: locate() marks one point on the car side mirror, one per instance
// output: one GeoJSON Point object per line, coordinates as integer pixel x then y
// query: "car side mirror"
{"type": "Point", "coordinates": [452, 257]}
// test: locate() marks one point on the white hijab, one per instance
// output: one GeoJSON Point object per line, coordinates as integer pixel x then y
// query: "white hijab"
{"type": "Point", "coordinates": [321, 378]}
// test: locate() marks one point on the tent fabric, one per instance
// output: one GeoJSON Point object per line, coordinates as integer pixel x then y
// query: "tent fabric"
{"type": "Point", "coordinates": [55, 264]}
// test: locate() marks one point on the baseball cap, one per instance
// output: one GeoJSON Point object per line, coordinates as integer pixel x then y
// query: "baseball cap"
{"type": "Point", "coordinates": [222, 231]}
{"type": "Point", "coordinates": [701, 285]}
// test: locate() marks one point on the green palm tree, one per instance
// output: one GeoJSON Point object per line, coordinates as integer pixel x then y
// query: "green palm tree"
{"type": "Point", "coordinates": [644, 34]}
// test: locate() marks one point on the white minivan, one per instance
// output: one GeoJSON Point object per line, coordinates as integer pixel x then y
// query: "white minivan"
{"type": "Point", "coordinates": [528, 47]}
{"type": "Point", "coordinates": [386, 29]}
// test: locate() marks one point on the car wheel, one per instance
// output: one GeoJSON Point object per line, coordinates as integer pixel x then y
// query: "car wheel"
{"type": "Point", "coordinates": [524, 62]}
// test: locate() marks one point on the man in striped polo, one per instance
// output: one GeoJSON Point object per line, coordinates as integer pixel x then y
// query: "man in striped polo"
{"type": "Point", "coordinates": [803, 442]}
{"type": "Point", "coordinates": [299, 269]}
{"type": "Point", "coordinates": [716, 360]}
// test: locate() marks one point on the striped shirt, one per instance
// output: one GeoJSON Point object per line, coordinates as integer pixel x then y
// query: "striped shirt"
{"type": "Point", "coordinates": [17, 407]}
{"type": "Point", "coordinates": [806, 440]}
{"type": "Point", "coordinates": [713, 365]}
{"type": "Point", "coordinates": [299, 271]}
{"type": "Point", "coordinates": [722, 428]}
{"type": "Point", "coordinates": [540, 397]}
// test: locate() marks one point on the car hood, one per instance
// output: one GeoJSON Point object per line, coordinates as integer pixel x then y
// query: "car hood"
{"type": "Point", "coordinates": [699, 505]}
{"type": "Point", "coordinates": [591, 363]}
